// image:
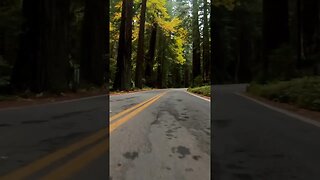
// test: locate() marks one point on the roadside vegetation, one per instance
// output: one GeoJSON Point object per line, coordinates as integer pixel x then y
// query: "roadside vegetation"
{"type": "Point", "coordinates": [202, 90]}
{"type": "Point", "coordinates": [302, 92]}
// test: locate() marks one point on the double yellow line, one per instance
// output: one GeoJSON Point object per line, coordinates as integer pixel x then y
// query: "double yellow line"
{"type": "Point", "coordinates": [76, 164]}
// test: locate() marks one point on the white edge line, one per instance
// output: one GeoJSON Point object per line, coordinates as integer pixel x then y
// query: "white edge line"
{"type": "Point", "coordinates": [293, 115]}
{"type": "Point", "coordinates": [198, 96]}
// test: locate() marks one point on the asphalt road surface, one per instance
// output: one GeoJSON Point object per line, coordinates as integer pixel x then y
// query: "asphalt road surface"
{"type": "Point", "coordinates": [159, 134]}
{"type": "Point", "coordinates": [253, 142]}
{"type": "Point", "coordinates": [47, 140]}
{"type": "Point", "coordinates": [167, 138]}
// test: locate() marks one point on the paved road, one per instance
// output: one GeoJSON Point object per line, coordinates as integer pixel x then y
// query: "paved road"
{"type": "Point", "coordinates": [169, 139]}
{"type": "Point", "coordinates": [30, 133]}
{"type": "Point", "coordinates": [253, 142]}
{"type": "Point", "coordinates": [160, 134]}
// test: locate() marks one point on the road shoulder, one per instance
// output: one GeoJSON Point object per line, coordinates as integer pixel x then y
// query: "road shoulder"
{"type": "Point", "coordinates": [313, 115]}
{"type": "Point", "coordinates": [40, 99]}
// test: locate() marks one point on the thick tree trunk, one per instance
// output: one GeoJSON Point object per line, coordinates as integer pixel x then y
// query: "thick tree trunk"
{"type": "Point", "coordinates": [161, 78]}
{"type": "Point", "coordinates": [275, 29]}
{"type": "Point", "coordinates": [206, 43]}
{"type": "Point", "coordinates": [218, 71]}
{"type": "Point", "coordinates": [42, 61]}
{"type": "Point", "coordinates": [107, 72]}
{"type": "Point", "coordinates": [212, 30]}
{"type": "Point", "coordinates": [94, 44]}
{"type": "Point", "coordinates": [123, 71]}
{"type": "Point", "coordinates": [150, 57]}
{"type": "Point", "coordinates": [196, 55]}
{"type": "Point", "coordinates": [140, 53]}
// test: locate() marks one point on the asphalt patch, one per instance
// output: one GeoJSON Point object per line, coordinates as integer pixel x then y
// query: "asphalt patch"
{"type": "Point", "coordinates": [196, 157]}
{"type": "Point", "coordinates": [131, 155]}
{"type": "Point", "coordinates": [183, 151]}
{"type": "Point", "coordinates": [188, 169]}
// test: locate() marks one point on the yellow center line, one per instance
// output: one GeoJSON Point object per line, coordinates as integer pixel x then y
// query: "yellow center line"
{"type": "Point", "coordinates": [116, 116]}
{"type": "Point", "coordinates": [53, 157]}
{"type": "Point", "coordinates": [47, 160]}
{"type": "Point", "coordinates": [76, 164]}
{"type": "Point", "coordinates": [116, 124]}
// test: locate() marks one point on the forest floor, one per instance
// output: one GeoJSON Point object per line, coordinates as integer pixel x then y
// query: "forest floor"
{"type": "Point", "coordinates": [42, 98]}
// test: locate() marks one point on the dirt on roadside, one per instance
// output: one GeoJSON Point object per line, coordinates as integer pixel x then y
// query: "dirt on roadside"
{"type": "Point", "coordinates": [19, 101]}
{"type": "Point", "coordinates": [315, 115]}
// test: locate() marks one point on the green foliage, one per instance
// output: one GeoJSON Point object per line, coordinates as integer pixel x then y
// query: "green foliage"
{"type": "Point", "coordinates": [197, 81]}
{"type": "Point", "coordinates": [303, 92]}
{"type": "Point", "coordinates": [203, 90]}
{"type": "Point", "coordinates": [171, 26]}
{"type": "Point", "coordinates": [229, 4]}
{"type": "Point", "coordinates": [282, 64]}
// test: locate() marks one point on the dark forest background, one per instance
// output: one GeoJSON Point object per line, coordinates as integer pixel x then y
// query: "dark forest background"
{"type": "Point", "coordinates": [43, 41]}
{"type": "Point", "coordinates": [250, 41]}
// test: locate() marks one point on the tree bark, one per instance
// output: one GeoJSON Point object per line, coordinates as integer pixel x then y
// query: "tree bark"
{"type": "Point", "coordinates": [206, 43]}
{"type": "Point", "coordinates": [275, 29]}
{"type": "Point", "coordinates": [196, 56]}
{"type": "Point", "coordinates": [140, 53]}
{"type": "Point", "coordinates": [123, 71]}
{"type": "Point", "coordinates": [42, 61]}
{"type": "Point", "coordinates": [150, 56]}
{"type": "Point", "coordinates": [94, 44]}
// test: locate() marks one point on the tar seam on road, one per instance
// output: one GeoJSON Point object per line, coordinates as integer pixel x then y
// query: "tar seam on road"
{"type": "Point", "coordinates": [47, 160]}
{"type": "Point", "coordinates": [295, 116]}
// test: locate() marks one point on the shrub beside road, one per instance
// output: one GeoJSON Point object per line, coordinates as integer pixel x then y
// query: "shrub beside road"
{"type": "Point", "coordinates": [301, 92]}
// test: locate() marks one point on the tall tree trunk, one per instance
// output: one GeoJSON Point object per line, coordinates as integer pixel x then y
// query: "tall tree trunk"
{"type": "Point", "coordinates": [299, 33]}
{"type": "Point", "coordinates": [107, 72]}
{"type": "Point", "coordinates": [123, 71]}
{"type": "Point", "coordinates": [161, 77]}
{"type": "Point", "coordinates": [275, 29]}
{"type": "Point", "coordinates": [212, 30]}
{"type": "Point", "coordinates": [196, 55]}
{"type": "Point", "coordinates": [206, 43]}
{"type": "Point", "coordinates": [94, 44]}
{"type": "Point", "coordinates": [42, 61]}
{"type": "Point", "coordinates": [150, 56]}
{"type": "Point", "coordinates": [140, 53]}
{"type": "Point", "coordinates": [218, 69]}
